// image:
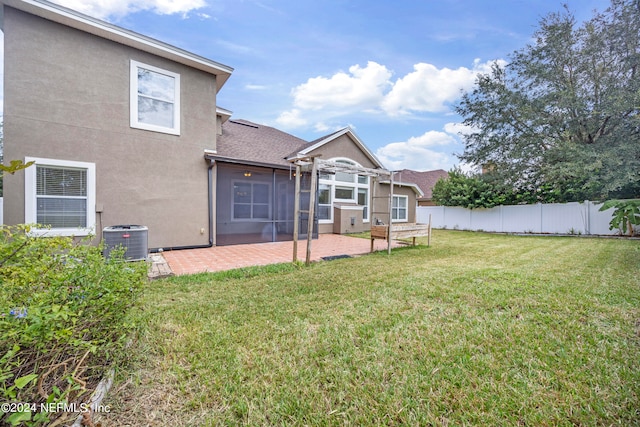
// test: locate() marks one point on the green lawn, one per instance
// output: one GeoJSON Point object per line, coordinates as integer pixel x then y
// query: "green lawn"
{"type": "Point", "coordinates": [478, 329]}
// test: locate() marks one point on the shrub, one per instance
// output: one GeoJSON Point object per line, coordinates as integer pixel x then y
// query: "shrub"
{"type": "Point", "coordinates": [625, 216]}
{"type": "Point", "coordinates": [63, 319]}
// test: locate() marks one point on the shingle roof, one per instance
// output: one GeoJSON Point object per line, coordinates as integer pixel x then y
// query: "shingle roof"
{"type": "Point", "coordinates": [424, 180]}
{"type": "Point", "coordinates": [249, 142]}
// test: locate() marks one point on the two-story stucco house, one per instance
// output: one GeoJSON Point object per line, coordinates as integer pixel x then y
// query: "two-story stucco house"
{"type": "Point", "coordinates": [125, 129]}
{"type": "Point", "coordinates": [117, 123]}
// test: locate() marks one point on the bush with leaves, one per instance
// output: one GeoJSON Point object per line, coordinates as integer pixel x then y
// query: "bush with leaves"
{"type": "Point", "coordinates": [626, 216]}
{"type": "Point", "coordinates": [64, 317]}
{"type": "Point", "coordinates": [471, 191]}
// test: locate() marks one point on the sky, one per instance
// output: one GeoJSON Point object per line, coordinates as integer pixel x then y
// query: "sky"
{"type": "Point", "coordinates": [393, 71]}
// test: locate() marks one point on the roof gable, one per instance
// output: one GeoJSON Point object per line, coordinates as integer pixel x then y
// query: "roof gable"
{"type": "Point", "coordinates": [322, 141]}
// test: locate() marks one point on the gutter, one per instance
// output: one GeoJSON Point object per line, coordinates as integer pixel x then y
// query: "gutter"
{"type": "Point", "coordinates": [212, 163]}
{"type": "Point", "coordinates": [212, 156]}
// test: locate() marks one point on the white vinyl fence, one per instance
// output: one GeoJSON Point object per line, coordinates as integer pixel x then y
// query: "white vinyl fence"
{"type": "Point", "coordinates": [554, 218]}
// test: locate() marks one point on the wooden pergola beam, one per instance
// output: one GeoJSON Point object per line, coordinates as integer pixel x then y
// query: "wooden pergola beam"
{"type": "Point", "coordinates": [319, 165]}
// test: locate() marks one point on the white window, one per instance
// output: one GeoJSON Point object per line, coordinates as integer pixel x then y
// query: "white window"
{"type": "Point", "coordinates": [61, 194]}
{"type": "Point", "coordinates": [345, 176]}
{"type": "Point", "coordinates": [343, 187]}
{"type": "Point", "coordinates": [324, 202]}
{"type": "Point", "coordinates": [155, 99]}
{"type": "Point", "coordinates": [399, 209]}
{"type": "Point", "coordinates": [363, 200]}
{"type": "Point", "coordinates": [251, 201]}
{"type": "Point", "coordinates": [345, 193]}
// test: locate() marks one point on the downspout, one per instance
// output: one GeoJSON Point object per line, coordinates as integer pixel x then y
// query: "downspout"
{"type": "Point", "coordinates": [212, 163]}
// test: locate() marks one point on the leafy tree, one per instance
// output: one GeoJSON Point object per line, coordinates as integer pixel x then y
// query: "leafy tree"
{"type": "Point", "coordinates": [470, 191]}
{"type": "Point", "coordinates": [562, 119]}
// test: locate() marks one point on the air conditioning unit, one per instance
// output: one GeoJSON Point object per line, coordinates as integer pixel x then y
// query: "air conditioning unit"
{"type": "Point", "coordinates": [134, 238]}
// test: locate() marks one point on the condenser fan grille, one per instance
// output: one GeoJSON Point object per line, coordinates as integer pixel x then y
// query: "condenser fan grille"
{"type": "Point", "coordinates": [133, 238]}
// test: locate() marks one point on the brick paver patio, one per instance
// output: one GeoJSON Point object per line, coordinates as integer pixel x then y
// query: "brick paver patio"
{"type": "Point", "coordinates": [219, 258]}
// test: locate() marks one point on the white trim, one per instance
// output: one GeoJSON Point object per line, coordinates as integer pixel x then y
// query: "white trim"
{"type": "Point", "coordinates": [350, 208]}
{"type": "Point", "coordinates": [355, 185]}
{"type": "Point", "coordinates": [330, 204]}
{"type": "Point", "coordinates": [335, 135]}
{"type": "Point", "coordinates": [97, 27]}
{"type": "Point", "coordinates": [406, 208]}
{"type": "Point", "coordinates": [30, 197]}
{"type": "Point", "coordinates": [133, 87]}
{"type": "Point", "coordinates": [413, 186]}
{"type": "Point", "coordinates": [354, 193]}
{"type": "Point", "coordinates": [223, 113]}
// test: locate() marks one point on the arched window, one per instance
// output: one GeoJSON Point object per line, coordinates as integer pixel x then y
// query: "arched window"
{"type": "Point", "coordinates": [342, 187]}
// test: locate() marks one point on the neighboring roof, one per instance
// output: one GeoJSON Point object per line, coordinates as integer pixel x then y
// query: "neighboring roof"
{"type": "Point", "coordinates": [411, 185]}
{"type": "Point", "coordinates": [79, 21]}
{"type": "Point", "coordinates": [314, 145]}
{"type": "Point", "coordinates": [249, 143]}
{"type": "Point", "coordinates": [424, 180]}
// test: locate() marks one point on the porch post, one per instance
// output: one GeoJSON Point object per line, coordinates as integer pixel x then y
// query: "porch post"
{"type": "Point", "coordinates": [296, 213]}
{"type": "Point", "coordinates": [312, 208]}
{"type": "Point", "coordinates": [389, 233]}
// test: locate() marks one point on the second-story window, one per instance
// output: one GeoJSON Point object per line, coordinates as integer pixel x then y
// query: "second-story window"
{"type": "Point", "coordinates": [155, 99]}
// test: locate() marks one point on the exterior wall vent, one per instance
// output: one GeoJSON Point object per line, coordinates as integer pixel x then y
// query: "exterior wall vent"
{"type": "Point", "coordinates": [134, 238]}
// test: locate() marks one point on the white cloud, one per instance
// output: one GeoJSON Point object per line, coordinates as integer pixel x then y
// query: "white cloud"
{"type": "Point", "coordinates": [291, 119]}
{"type": "Point", "coordinates": [427, 89]}
{"type": "Point", "coordinates": [361, 87]}
{"type": "Point", "coordinates": [430, 89]}
{"type": "Point", "coordinates": [424, 152]}
{"type": "Point", "coordinates": [103, 9]}
{"type": "Point", "coordinates": [255, 87]}
{"type": "Point", "coordinates": [459, 129]}
{"type": "Point", "coordinates": [238, 48]}
{"type": "Point", "coordinates": [321, 127]}
{"type": "Point", "coordinates": [321, 99]}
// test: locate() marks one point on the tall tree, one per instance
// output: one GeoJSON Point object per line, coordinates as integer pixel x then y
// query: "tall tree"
{"type": "Point", "coordinates": [564, 114]}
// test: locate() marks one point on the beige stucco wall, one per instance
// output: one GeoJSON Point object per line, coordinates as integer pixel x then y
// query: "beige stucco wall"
{"type": "Point", "coordinates": [381, 204]}
{"type": "Point", "coordinates": [344, 147]}
{"type": "Point", "coordinates": [67, 98]}
{"type": "Point", "coordinates": [342, 219]}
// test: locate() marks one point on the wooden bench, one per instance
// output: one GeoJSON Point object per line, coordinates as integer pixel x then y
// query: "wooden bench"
{"type": "Point", "coordinates": [401, 231]}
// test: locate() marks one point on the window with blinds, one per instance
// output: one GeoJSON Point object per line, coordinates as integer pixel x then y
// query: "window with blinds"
{"type": "Point", "coordinates": [61, 197]}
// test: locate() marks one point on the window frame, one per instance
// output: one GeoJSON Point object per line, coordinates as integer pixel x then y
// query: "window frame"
{"type": "Point", "coordinates": [395, 208]}
{"type": "Point", "coordinates": [269, 203]}
{"type": "Point", "coordinates": [329, 189]}
{"type": "Point", "coordinates": [31, 196]}
{"type": "Point", "coordinates": [134, 118]}
{"type": "Point", "coordinates": [358, 183]}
